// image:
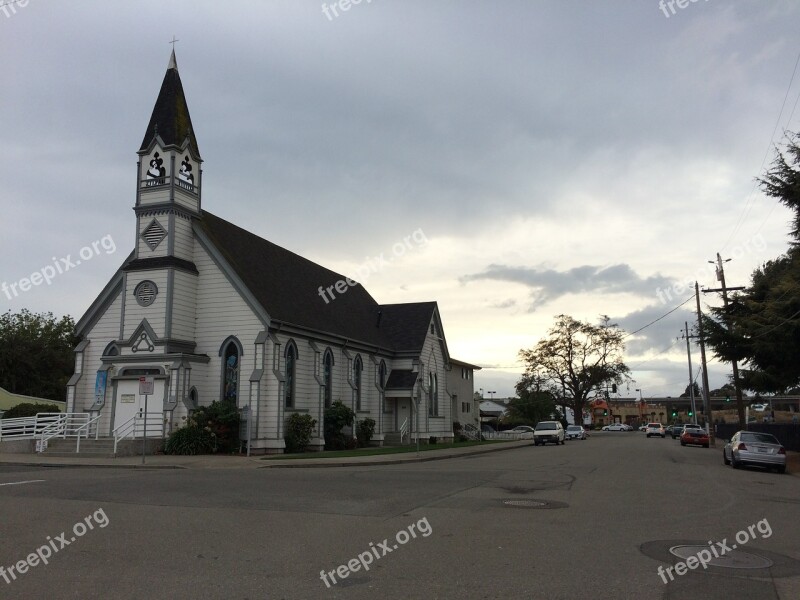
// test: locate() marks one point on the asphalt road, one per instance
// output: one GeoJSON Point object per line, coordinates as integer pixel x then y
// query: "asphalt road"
{"type": "Point", "coordinates": [604, 513]}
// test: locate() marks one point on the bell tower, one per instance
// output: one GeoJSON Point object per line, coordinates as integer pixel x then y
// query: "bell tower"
{"type": "Point", "coordinates": [161, 278]}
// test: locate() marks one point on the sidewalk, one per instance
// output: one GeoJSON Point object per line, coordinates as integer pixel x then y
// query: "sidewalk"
{"type": "Point", "coordinates": [161, 461]}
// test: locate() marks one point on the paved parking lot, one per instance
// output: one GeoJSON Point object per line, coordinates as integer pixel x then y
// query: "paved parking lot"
{"type": "Point", "coordinates": [591, 519]}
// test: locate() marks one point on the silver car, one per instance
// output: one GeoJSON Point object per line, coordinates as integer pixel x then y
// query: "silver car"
{"type": "Point", "coordinates": [755, 448]}
{"type": "Point", "coordinates": [575, 432]}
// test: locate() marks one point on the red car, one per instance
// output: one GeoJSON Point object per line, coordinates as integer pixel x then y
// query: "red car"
{"type": "Point", "coordinates": [695, 436]}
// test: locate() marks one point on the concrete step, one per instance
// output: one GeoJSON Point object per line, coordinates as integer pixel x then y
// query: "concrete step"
{"type": "Point", "coordinates": [80, 454]}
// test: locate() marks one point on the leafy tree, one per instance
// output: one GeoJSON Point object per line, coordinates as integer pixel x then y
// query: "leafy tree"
{"type": "Point", "coordinates": [761, 327]}
{"type": "Point", "coordinates": [695, 389]}
{"type": "Point", "coordinates": [531, 407]}
{"type": "Point", "coordinates": [576, 357]}
{"type": "Point", "coordinates": [36, 354]}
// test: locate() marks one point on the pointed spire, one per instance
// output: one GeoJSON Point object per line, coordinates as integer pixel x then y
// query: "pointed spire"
{"type": "Point", "coordinates": [170, 119]}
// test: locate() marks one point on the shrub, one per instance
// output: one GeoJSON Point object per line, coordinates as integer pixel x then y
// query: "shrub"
{"type": "Point", "coordinates": [337, 417]}
{"type": "Point", "coordinates": [222, 417]}
{"type": "Point", "coordinates": [27, 409]}
{"type": "Point", "coordinates": [433, 439]}
{"type": "Point", "coordinates": [457, 428]}
{"type": "Point", "coordinates": [365, 430]}
{"type": "Point", "coordinates": [191, 439]}
{"type": "Point", "coordinates": [299, 430]}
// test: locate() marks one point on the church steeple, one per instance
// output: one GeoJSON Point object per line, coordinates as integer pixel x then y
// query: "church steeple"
{"type": "Point", "coordinates": [170, 119]}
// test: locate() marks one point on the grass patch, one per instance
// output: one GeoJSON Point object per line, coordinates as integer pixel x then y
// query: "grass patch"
{"type": "Point", "coordinates": [376, 450]}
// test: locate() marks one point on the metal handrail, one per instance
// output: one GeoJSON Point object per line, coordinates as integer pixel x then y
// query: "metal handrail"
{"type": "Point", "coordinates": [87, 426]}
{"type": "Point", "coordinates": [403, 430]}
{"type": "Point", "coordinates": [130, 426]}
{"type": "Point", "coordinates": [63, 425]}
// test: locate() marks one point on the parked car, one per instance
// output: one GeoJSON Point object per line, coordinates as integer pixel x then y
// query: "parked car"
{"type": "Point", "coordinates": [642, 427]}
{"type": "Point", "coordinates": [575, 432]}
{"type": "Point", "coordinates": [655, 429]}
{"type": "Point", "coordinates": [695, 436]}
{"type": "Point", "coordinates": [758, 407]}
{"type": "Point", "coordinates": [755, 448]}
{"type": "Point", "coordinates": [548, 431]}
{"type": "Point", "coordinates": [677, 431]}
{"type": "Point", "coordinates": [617, 427]}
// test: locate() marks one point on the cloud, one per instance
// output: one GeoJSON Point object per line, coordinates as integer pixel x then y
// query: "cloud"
{"type": "Point", "coordinates": [549, 284]}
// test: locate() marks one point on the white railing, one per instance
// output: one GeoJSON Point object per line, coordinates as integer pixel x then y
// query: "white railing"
{"type": "Point", "coordinates": [28, 428]}
{"type": "Point", "coordinates": [470, 432]}
{"type": "Point", "coordinates": [506, 435]}
{"type": "Point", "coordinates": [404, 430]}
{"type": "Point", "coordinates": [88, 428]}
{"type": "Point", "coordinates": [63, 425]}
{"type": "Point", "coordinates": [139, 425]}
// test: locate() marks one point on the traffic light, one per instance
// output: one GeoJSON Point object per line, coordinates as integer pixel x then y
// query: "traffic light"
{"type": "Point", "coordinates": [727, 398]}
{"type": "Point", "coordinates": [613, 388]}
{"type": "Point", "coordinates": [674, 413]}
{"type": "Point", "coordinates": [605, 413]}
{"type": "Point", "coordinates": [690, 413]}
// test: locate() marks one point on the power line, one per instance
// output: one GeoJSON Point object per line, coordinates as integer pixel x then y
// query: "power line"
{"type": "Point", "coordinates": [749, 204]}
{"type": "Point", "coordinates": [659, 318]}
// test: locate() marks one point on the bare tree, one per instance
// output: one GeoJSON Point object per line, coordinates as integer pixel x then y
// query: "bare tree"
{"type": "Point", "coordinates": [575, 360]}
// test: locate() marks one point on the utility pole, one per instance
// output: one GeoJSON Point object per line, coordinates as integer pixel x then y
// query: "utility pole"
{"type": "Point", "coordinates": [724, 289]}
{"type": "Point", "coordinates": [691, 379]}
{"type": "Point", "coordinates": [703, 365]}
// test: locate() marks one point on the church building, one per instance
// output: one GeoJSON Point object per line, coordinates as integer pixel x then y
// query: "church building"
{"type": "Point", "coordinates": [211, 312]}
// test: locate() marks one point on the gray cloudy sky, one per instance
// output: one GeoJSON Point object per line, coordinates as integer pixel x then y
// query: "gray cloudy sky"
{"type": "Point", "coordinates": [559, 156]}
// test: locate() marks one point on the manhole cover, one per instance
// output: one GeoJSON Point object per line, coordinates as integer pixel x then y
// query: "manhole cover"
{"type": "Point", "coordinates": [527, 503]}
{"type": "Point", "coordinates": [732, 559]}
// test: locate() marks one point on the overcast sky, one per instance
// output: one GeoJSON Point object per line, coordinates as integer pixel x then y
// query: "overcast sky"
{"type": "Point", "coordinates": [558, 156]}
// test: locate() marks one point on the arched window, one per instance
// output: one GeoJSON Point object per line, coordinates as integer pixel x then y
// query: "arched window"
{"type": "Point", "coordinates": [327, 377]}
{"type": "Point", "coordinates": [358, 367]}
{"type": "Point", "coordinates": [382, 375]}
{"type": "Point", "coordinates": [231, 361]}
{"type": "Point", "coordinates": [291, 369]}
{"type": "Point", "coordinates": [433, 395]}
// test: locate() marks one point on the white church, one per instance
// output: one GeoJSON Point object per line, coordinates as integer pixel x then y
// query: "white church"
{"type": "Point", "coordinates": [211, 312]}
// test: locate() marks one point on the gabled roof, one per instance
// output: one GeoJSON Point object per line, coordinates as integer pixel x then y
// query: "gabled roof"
{"type": "Point", "coordinates": [170, 118]}
{"type": "Point", "coordinates": [407, 324]}
{"type": "Point", "coordinates": [287, 286]}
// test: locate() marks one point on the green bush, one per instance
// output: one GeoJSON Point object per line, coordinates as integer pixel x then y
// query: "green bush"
{"type": "Point", "coordinates": [337, 417]}
{"type": "Point", "coordinates": [191, 439]}
{"type": "Point", "coordinates": [27, 409]}
{"type": "Point", "coordinates": [222, 417]}
{"type": "Point", "coordinates": [299, 430]}
{"type": "Point", "coordinates": [433, 439]}
{"type": "Point", "coordinates": [365, 431]}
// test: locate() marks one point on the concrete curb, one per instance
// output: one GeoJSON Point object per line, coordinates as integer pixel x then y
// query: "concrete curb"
{"type": "Point", "coordinates": [87, 465]}
{"type": "Point", "coordinates": [280, 463]}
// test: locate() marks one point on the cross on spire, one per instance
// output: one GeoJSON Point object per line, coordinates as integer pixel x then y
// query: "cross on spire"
{"type": "Point", "coordinates": [173, 42]}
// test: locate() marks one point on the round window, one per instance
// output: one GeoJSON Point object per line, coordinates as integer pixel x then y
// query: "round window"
{"type": "Point", "coordinates": [145, 293]}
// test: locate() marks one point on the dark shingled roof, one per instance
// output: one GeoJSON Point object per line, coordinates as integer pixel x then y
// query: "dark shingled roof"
{"type": "Point", "coordinates": [407, 324]}
{"type": "Point", "coordinates": [287, 286]}
{"type": "Point", "coordinates": [171, 113]}
{"type": "Point", "coordinates": [401, 380]}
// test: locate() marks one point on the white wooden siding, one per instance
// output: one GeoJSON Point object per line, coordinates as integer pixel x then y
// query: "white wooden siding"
{"type": "Point", "coordinates": [100, 335]}
{"type": "Point", "coordinates": [155, 313]}
{"type": "Point", "coordinates": [184, 299]}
